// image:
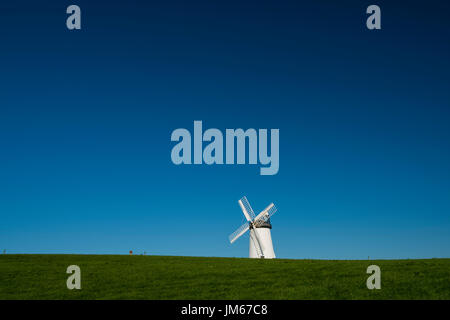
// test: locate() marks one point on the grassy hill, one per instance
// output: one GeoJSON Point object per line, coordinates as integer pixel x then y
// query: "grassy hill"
{"type": "Point", "coordinates": [161, 277]}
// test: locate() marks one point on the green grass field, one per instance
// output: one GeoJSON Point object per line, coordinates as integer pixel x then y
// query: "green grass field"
{"type": "Point", "coordinates": [161, 277]}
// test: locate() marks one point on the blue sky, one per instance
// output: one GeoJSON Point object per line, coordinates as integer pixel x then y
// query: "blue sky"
{"type": "Point", "coordinates": [86, 118]}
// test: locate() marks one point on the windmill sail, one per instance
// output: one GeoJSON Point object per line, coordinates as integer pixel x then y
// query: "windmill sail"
{"type": "Point", "coordinates": [256, 242]}
{"type": "Point", "coordinates": [239, 232]}
{"type": "Point", "coordinates": [266, 214]}
{"type": "Point", "coordinates": [247, 207]}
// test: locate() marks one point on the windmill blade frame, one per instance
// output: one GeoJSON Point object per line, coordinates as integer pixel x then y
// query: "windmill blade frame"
{"type": "Point", "coordinates": [258, 238]}
{"type": "Point", "coordinates": [247, 209]}
{"type": "Point", "coordinates": [265, 214]}
{"type": "Point", "coordinates": [256, 242]}
{"type": "Point", "coordinates": [239, 232]}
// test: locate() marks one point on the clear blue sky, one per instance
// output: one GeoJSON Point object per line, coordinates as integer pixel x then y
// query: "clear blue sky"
{"type": "Point", "coordinates": [86, 118]}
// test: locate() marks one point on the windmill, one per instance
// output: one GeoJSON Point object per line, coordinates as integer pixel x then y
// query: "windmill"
{"type": "Point", "coordinates": [259, 226]}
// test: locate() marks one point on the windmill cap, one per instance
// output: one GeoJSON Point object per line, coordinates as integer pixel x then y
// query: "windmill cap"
{"type": "Point", "coordinates": [263, 224]}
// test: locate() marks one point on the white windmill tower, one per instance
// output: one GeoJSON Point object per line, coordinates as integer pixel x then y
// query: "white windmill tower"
{"type": "Point", "coordinates": [259, 226]}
